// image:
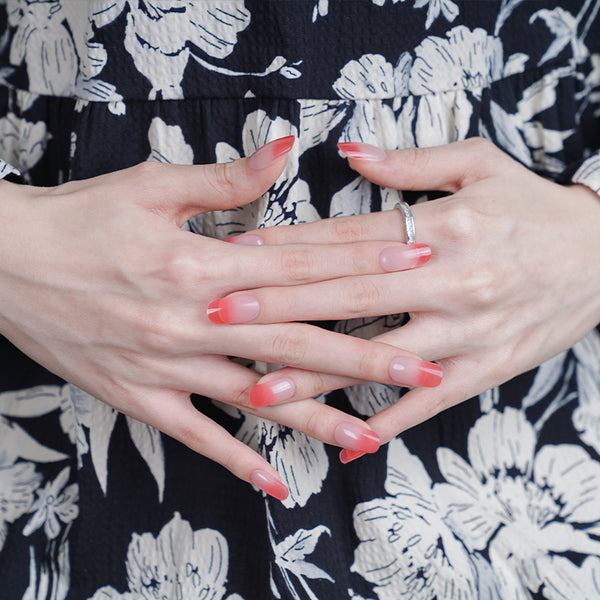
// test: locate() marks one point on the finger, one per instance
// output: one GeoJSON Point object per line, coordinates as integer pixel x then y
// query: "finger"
{"type": "Point", "coordinates": [448, 168]}
{"type": "Point", "coordinates": [341, 295]}
{"type": "Point", "coordinates": [182, 191]}
{"type": "Point", "coordinates": [228, 382]}
{"type": "Point", "coordinates": [202, 435]}
{"type": "Point", "coordinates": [315, 349]}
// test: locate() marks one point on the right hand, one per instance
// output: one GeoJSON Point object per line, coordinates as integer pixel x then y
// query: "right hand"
{"type": "Point", "coordinates": [99, 284]}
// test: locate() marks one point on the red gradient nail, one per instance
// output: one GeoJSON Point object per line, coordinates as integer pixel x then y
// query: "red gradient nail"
{"type": "Point", "coordinates": [272, 392]}
{"type": "Point", "coordinates": [362, 151]}
{"type": "Point", "coordinates": [356, 437]}
{"type": "Point", "coordinates": [347, 456]}
{"type": "Point", "coordinates": [269, 484]}
{"type": "Point", "coordinates": [237, 309]}
{"type": "Point", "coordinates": [270, 152]}
{"type": "Point", "coordinates": [245, 240]}
{"type": "Point", "coordinates": [412, 372]}
{"type": "Point", "coordinates": [401, 258]}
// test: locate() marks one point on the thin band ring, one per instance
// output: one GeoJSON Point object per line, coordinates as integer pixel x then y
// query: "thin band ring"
{"type": "Point", "coordinates": [409, 221]}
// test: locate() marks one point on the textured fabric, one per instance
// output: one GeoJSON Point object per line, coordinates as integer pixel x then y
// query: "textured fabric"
{"type": "Point", "coordinates": [497, 498]}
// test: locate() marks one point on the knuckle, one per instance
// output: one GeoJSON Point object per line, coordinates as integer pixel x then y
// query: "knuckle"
{"type": "Point", "coordinates": [222, 180]}
{"type": "Point", "coordinates": [362, 297]}
{"type": "Point", "coordinates": [462, 222]}
{"type": "Point", "coordinates": [481, 286]}
{"type": "Point", "coordinates": [297, 265]}
{"type": "Point", "coordinates": [368, 365]}
{"type": "Point", "coordinates": [162, 332]}
{"type": "Point", "coordinates": [183, 268]}
{"type": "Point", "coordinates": [347, 229]}
{"type": "Point", "coordinates": [149, 170]}
{"type": "Point", "coordinates": [313, 424]}
{"type": "Point", "coordinates": [289, 348]}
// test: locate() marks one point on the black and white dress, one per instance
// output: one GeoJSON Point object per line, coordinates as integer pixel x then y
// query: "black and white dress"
{"type": "Point", "coordinates": [498, 498]}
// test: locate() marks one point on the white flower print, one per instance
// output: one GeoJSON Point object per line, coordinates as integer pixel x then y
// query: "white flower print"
{"type": "Point", "coordinates": [167, 144]}
{"type": "Point", "coordinates": [525, 509]}
{"type": "Point", "coordinates": [434, 7]}
{"type": "Point", "coordinates": [17, 485]}
{"type": "Point", "coordinates": [55, 504]}
{"type": "Point", "coordinates": [22, 143]}
{"type": "Point", "coordinates": [179, 563]}
{"type": "Point", "coordinates": [406, 549]}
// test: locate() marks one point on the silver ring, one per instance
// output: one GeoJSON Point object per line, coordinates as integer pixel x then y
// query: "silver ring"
{"type": "Point", "coordinates": [409, 221]}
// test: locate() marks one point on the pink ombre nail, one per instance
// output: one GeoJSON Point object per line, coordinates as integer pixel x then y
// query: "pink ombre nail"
{"type": "Point", "coordinates": [356, 437]}
{"type": "Point", "coordinates": [246, 240]}
{"type": "Point", "coordinates": [347, 456]}
{"type": "Point", "coordinates": [236, 309]}
{"type": "Point", "coordinates": [272, 392]}
{"type": "Point", "coordinates": [361, 151]}
{"type": "Point", "coordinates": [401, 258]}
{"type": "Point", "coordinates": [265, 155]}
{"type": "Point", "coordinates": [269, 484]}
{"type": "Point", "coordinates": [412, 372]}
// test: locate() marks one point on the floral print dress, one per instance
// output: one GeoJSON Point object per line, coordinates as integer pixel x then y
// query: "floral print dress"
{"type": "Point", "coordinates": [497, 498]}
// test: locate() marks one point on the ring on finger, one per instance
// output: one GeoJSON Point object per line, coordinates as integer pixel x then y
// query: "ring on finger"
{"type": "Point", "coordinates": [409, 221]}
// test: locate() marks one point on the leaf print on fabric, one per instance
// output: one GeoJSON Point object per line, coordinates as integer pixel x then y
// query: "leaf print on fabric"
{"type": "Point", "coordinates": [301, 461]}
{"type": "Point", "coordinates": [167, 144]}
{"type": "Point", "coordinates": [406, 549]}
{"type": "Point", "coordinates": [434, 7]}
{"type": "Point", "coordinates": [22, 143]}
{"type": "Point", "coordinates": [55, 503]}
{"type": "Point", "coordinates": [18, 483]}
{"type": "Point", "coordinates": [179, 563]}
{"type": "Point", "coordinates": [525, 509]}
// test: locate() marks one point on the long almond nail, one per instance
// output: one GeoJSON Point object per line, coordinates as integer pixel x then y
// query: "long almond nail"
{"type": "Point", "coordinates": [265, 155]}
{"type": "Point", "coordinates": [269, 484]}
{"type": "Point", "coordinates": [362, 151]}
{"type": "Point", "coordinates": [237, 309]}
{"type": "Point", "coordinates": [272, 392]}
{"type": "Point", "coordinates": [356, 437]}
{"type": "Point", "coordinates": [412, 372]}
{"type": "Point", "coordinates": [347, 456]}
{"type": "Point", "coordinates": [401, 258]}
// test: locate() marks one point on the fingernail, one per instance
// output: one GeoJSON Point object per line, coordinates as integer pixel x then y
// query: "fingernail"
{"type": "Point", "coordinates": [362, 151]}
{"type": "Point", "coordinates": [269, 484]}
{"type": "Point", "coordinates": [400, 258]}
{"type": "Point", "coordinates": [246, 240]}
{"type": "Point", "coordinates": [412, 372]}
{"type": "Point", "coordinates": [278, 390]}
{"type": "Point", "coordinates": [356, 437]}
{"type": "Point", "coordinates": [265, 155]}
{"type": "Point", "coordinates": [237, 309]}
{"type": "Point", "coordinates": [347, 456]}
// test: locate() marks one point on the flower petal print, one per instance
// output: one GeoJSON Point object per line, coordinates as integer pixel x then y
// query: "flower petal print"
{"type": "Point", "coordinates": [22, 143]}
{"type": "Point", "coordinates": [525, 508]}
{"type": "Point", "coordinates": [179, 563]}
{"type": "Point", "coordinates": [167, 144]}
{"type": "Point", "coordinates": [17, 485]}
{"type": "Point", "coordinates": [55, 504]}
{"type": "Point", "coordinates": [406, 549]}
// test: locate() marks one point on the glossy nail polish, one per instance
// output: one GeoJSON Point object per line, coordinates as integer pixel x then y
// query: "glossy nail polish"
{"type": "Point", "coordinates": [269, 484]}
{"type": "Point", "coordinates": [245, 240]}
{"type": "Point", "coordinates": [362, 151]}
{"type": "Point", "coordinates": [356, 437]}
{"type": "Point", "coordinates": [401, 258]}
{"type": "Point", "coordinates": [265, 155]}
{"type": "Point", "coordinates": [272, 392]}
{"type": "Point", "coordinates": [237, 309]}
{"type": "Point", "coordinates": [347, 456]}
{"type": "Point", "coordinates": [412, 372]}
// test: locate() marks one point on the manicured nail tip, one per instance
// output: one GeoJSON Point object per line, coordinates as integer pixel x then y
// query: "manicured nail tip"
{"type": "Point", "coordinates": [237, 309]}
{"type": "Point", "coordinates": [412, 372]}
{"type": "Point", "coordinates": [272, 392]}
{"type": "Point", "coordinates": [355, 437]}
{"type": "Point", "coordinates": [401, 258]}
{"type": "Point", "coordinates": [245, 240]}
{"type": "Point", "coordinates": [269, 484]}
{"type": "Point", "coordinates": [360, 151]}
{"type": "Point", "coordinates": [270, 152]}
{"type": "Point", "coordinates": [347, 456]}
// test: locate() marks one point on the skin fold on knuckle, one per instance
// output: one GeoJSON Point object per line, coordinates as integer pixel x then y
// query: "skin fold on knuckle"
{"type": "Point", "coordinates": [290, 347]}
{"type": "Point", "coordinates": [361, 298]}
{"type": "Point", "coordinates": [297, 265]}
{"type": "Point", "coordinates": [346, 229]}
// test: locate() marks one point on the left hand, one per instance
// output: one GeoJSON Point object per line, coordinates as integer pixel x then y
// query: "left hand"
{"type": "Point", "coordinates": [514, 278]}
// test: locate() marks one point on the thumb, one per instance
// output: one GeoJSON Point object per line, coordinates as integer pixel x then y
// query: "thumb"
{"type": "Point", "coordinates": [182, 191]}
{"type": "Point", "coordinates": [447, 168]}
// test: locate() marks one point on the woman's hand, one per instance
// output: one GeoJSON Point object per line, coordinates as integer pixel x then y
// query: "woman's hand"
{"type": "Point", "coordinates": [99, 284]}
{"type": "Point", "coordinates": [514, 278]}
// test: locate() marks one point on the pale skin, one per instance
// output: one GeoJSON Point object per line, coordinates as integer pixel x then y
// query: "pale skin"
{"type": "Point", "coordinates": [99, 284]}
{"type": "Point", "coordinates": [513, 280]}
